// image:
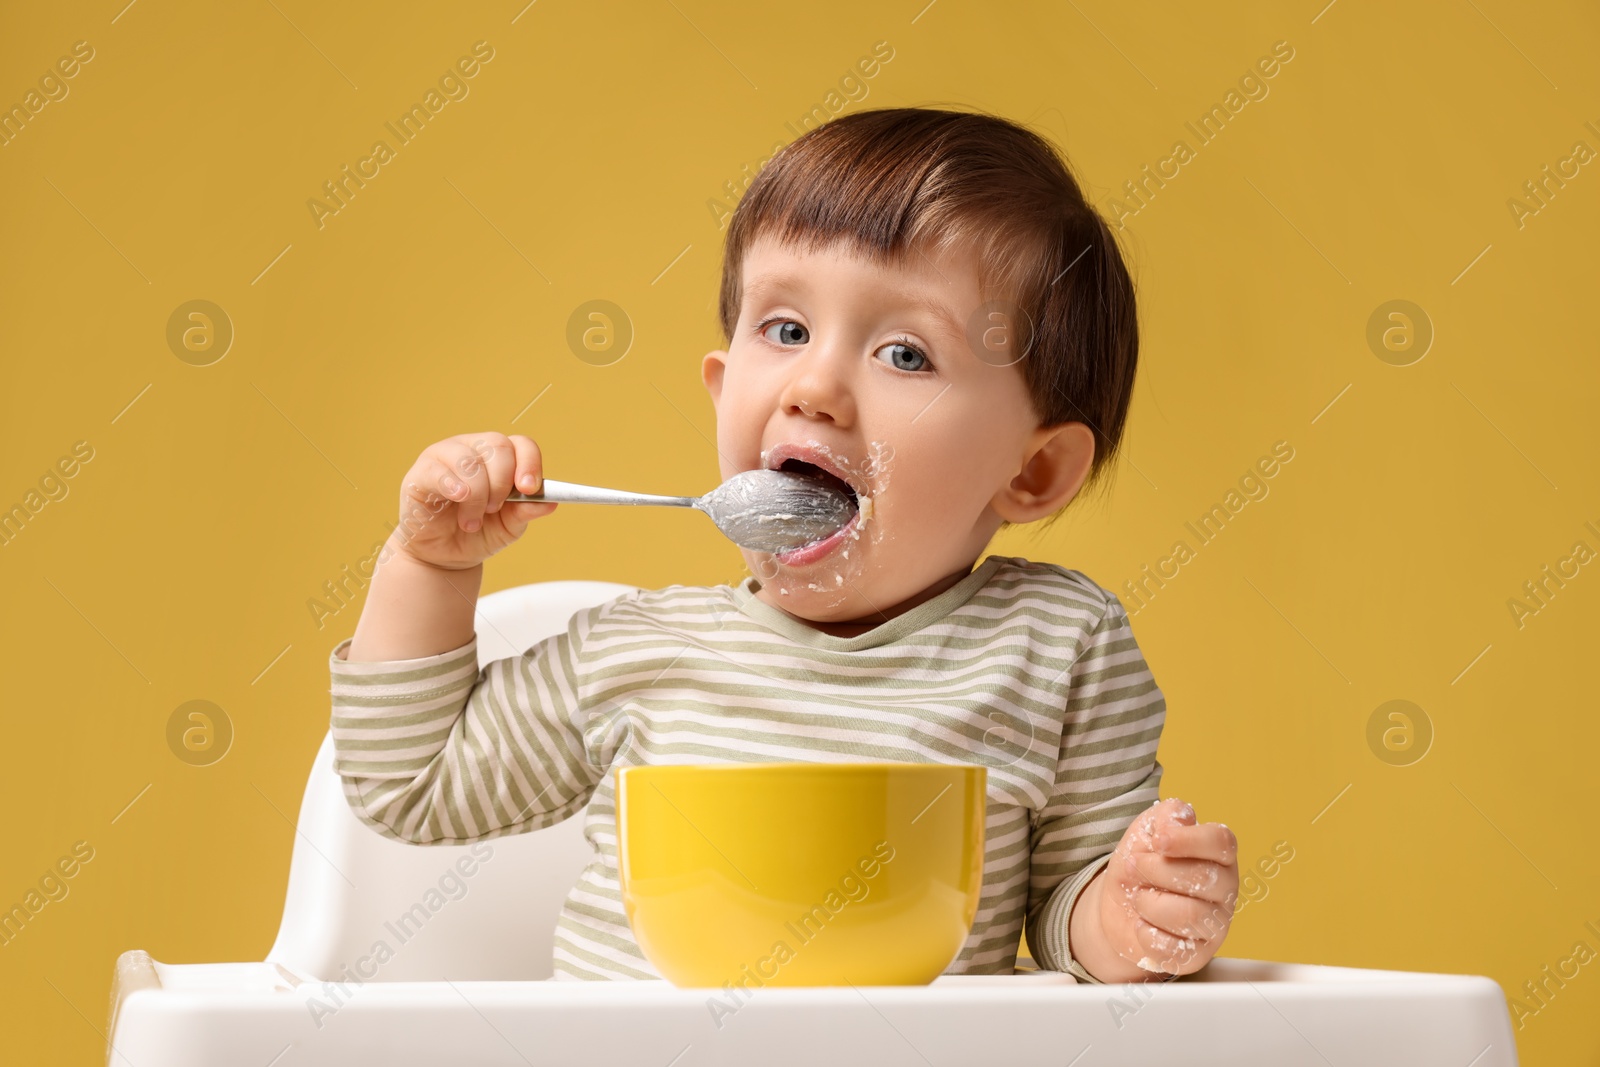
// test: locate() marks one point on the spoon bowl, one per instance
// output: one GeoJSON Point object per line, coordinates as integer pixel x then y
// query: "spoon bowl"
{"type": "Point", "coordinates": [762, 510]}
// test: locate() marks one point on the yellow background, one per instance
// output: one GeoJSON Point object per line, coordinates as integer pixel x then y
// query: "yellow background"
{"type": "Point", "coordinates": [579, 168]}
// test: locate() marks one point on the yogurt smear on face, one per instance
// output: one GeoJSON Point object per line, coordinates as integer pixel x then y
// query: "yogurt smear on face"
{"type": "Point", "coordinates": [823, 572]}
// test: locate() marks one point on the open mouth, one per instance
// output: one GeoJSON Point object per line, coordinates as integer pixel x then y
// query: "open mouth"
{"type": "Point", "coordinates": [817, 550]}
{"type": "Point", "coordinates": [800, 466]}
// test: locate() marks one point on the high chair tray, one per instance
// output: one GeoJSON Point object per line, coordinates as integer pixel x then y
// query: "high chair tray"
{"type": "Point", "coordinates": [1233, 1012]}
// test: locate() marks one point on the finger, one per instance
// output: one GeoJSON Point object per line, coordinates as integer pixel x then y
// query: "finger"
{"type": "Point", "coordinates": [1166, 952]}
{"type": "Point", "coordinates": [1208, 841]}
{"type": "Point", "coordinates": [530, 464]}
{"type": "Point", "coordinates": [434, 479]}
{"type": "Point", "coordinates": [517, 514]}
{"type": "Point", "coordinates": [422, 498]}
{"type": "Point", "coordinates": [421, 492]}
{"type": "Point", "coordinates": [1193, 878]}
{"type": "Point", "coordinates": [1183, 916]}
{"type": "Point", "coordinates": [1141, 833]}
{"type": "Point", "coordinates": [468, 466]}
{"type": "Point", "coordinates": [499, 460]}
{"type": "Point", "coordinates": [528, 478]}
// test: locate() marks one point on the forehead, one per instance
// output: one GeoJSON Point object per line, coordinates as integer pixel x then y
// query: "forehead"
{"type": "Point", "coordinates": [945, 285]}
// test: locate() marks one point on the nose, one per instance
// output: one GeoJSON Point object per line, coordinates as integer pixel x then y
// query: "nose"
{"type": "Point", "coordinates": [819, 385]}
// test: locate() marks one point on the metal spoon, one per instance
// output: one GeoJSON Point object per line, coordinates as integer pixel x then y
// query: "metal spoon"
{"type": "Point", "coordinates": [762, 510]}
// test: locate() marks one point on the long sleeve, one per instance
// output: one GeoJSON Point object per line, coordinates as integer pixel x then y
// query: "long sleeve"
{"type": "Point", "coordinates": [1106, 774]}
{"type": "Point", "coordinates": [434, 751]}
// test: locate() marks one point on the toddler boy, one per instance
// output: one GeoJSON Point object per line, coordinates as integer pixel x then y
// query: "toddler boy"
{"type": "Point", "coordinates": [921, 304]}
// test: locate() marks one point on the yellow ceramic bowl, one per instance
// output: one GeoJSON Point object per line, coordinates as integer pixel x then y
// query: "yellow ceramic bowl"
{"type": "Point", "coordinates": [801, 874]}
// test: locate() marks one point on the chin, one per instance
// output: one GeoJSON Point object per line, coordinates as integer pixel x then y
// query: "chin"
{"type": "Point", "coordinates": [822, 592]}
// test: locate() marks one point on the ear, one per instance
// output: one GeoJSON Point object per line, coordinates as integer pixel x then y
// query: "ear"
{"type": "Point", "coordinates": [1054, 468]}
{"type": "Point", "coordinates": [711, 370]}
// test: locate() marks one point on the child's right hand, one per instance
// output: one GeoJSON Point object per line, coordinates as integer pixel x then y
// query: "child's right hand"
{"type": "Point", "coordinates": [453, 512]}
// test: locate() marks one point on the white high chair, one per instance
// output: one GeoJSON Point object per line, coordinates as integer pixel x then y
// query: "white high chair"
{"type": "Point", "coordinates": [346, 881]}
{"type": "Point", "coordinates": [467, 931]}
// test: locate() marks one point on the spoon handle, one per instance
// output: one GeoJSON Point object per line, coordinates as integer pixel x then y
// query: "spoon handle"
{"type": "Point", "coordinates": [555, 492]}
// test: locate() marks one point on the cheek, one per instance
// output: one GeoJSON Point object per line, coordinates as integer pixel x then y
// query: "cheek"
{"type": "Point", "coordinates": [915, 494]}
{"type": "Point", "coordinates": [944, 472]}
{"type": "Point", "coordinates": [741, 412]}
{"type": "Point", "coordinates": [747, 390]}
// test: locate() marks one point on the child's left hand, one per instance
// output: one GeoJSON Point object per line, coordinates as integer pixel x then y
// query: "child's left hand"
{"type": "Point", "coordinates": [1170, 890]}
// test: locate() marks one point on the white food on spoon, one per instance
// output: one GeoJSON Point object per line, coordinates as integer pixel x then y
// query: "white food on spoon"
{"type": "Point", "coordinates": [780, 510]}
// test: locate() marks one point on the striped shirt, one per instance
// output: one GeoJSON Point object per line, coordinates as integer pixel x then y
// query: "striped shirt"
{"type": "Point", "coordinates": [1027, 668]}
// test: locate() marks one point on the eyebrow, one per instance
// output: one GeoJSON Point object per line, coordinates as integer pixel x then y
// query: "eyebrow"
{"type": "Point", "coordinates": [768, 286]}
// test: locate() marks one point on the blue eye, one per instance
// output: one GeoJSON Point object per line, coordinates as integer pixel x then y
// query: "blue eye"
{"type": "Point", "coordinates": [902, 353]}
{"type": "Point", "coordinates": [789, 333]}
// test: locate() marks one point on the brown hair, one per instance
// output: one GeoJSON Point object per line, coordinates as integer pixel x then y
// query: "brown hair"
{"type": "Point", "coordinates": [891, 182]}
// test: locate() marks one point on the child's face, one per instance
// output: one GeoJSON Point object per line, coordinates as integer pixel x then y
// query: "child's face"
{"type": "Point", "coordinates": [870, 368]}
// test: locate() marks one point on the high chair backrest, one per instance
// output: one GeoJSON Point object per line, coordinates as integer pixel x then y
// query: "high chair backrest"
{"type": "Point", "coordinates": [364, 908]}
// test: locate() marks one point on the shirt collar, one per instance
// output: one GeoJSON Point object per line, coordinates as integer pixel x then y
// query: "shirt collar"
{"type": "Point", "coordinates": [902, 625]}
